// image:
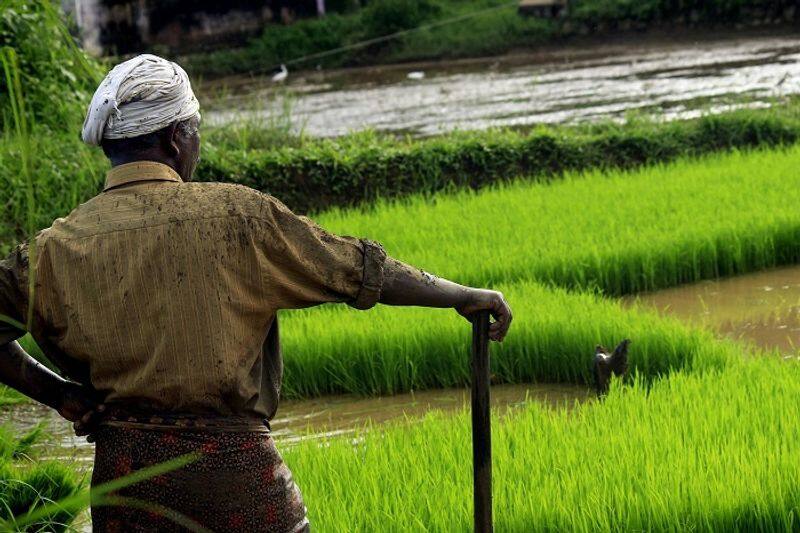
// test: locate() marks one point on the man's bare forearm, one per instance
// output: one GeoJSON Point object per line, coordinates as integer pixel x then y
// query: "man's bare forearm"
{"type": "Point", "coordinates": [406, 285]}
{"type": "Point", "coordinates": [25, 374]}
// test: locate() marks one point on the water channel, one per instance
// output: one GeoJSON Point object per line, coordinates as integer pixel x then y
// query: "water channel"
{"type": "Point", "coordinates": [761, 308]}
{"type": "Point", "coordinates": [667, 78]}
{"type": "Point", "coordinates": [317, 418]}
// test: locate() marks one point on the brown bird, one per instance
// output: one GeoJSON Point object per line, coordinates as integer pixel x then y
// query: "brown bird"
{"type": "Point", "coordinates": [606, 364]}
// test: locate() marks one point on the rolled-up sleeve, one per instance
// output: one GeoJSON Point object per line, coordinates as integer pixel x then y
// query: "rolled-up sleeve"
{"type": "Point", "coordinates": [305, 265]}
{"type": "Point", "coordinates": [12, 270]}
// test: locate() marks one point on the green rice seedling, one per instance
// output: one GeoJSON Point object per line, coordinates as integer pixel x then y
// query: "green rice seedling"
{"type": "Point", "coordinates": [621, 232]}
{"type": "Point", "coordinates": [44, 512]}
{"type": "Point", "coordinates": [27, 486]}
{"type": "Point", "coordinates": [9, 396]}
{"type": "Point", "coordinates": [15, 446]}
{"type": "Point", "coordinates": [705, 452]}
{"type": "Point", "coordinates": [391, 350]}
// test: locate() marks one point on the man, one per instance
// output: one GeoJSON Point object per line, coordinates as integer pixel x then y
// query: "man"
{"type": "Point", "coordinates": [158, 297]}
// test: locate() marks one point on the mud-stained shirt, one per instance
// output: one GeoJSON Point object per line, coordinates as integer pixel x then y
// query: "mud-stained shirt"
{"type": "Point", "coordinates": [164, 293]}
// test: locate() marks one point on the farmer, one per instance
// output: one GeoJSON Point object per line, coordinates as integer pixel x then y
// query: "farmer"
{"type": "Point", "coordinates": [157, 301]}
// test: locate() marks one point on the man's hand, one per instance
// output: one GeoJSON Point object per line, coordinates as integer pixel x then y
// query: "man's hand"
{"type": "Point", "coordinates": [495, 303]}
{"type": "Point", "coordinates": [79, 405]}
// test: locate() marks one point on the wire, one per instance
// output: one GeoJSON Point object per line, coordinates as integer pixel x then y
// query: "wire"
{"type": "Point", "coordinates": [384, 38]}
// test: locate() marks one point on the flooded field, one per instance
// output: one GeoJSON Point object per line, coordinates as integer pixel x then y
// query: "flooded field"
{"type": "Point", "coordinates": [310, 419]}
{"type": "Point", "coordinates": [669, 80]}
{"type": "Point", "coordinates": [761, 308]}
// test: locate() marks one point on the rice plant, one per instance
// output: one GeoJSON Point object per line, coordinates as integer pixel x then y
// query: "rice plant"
{"type": "Point", "coordinates": [621, 232]}
{"type": "Point", "coordinates": [28, 486]}
{"type": "Point", "coordinates": [390, 350]}
{"type": "Point", "coordinates": [711, 451]}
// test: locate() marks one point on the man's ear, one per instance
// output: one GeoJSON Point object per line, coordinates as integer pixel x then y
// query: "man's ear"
{"type": "Point", "coordinates": [170, 140]}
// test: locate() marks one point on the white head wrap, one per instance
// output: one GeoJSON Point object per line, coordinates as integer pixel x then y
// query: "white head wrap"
{"type": "Point", "coordinates": [139, 96]}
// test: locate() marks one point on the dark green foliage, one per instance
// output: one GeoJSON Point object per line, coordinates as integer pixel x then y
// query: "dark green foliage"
{"type": "Point", "coordinates": [390, 16]}
{"type": "Point", "coordinates": [614, 12]}
{"type": "Point", "coordinates": [343, 172]}
{"type": "Point", "coordinates": [499, 30]}
{"type": "Point", "coordinates": [66, 173]}
{"type": "Point", "coordinates": [287, 43]}
{"type": "Point", "coordinates": [495, 29]}
{"type": "Point", "coordinates": [57, 76]}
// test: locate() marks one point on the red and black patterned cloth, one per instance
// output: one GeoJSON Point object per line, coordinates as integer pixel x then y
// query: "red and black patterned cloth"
{"type": "Point", "coordinates": [239, 482]}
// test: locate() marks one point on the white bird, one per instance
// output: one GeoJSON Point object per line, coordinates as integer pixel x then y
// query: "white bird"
{"type": "Point", "coordinates": [415, 75]}
{"type": "Point", "coordinates": [281, 75]}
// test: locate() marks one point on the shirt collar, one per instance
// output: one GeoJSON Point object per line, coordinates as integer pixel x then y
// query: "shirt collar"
{"type": "Point", "coordinates": [139, 171]}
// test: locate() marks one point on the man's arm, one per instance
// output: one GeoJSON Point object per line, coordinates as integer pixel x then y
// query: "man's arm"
{"type": "Point", "coordinates": [306, 265]}
{"type": "Point", "coordinates": [23, 373]}
{"type": "Point", "coordinates": [406, 285]}
{"type": "Point", "coordinates": [75, 402]}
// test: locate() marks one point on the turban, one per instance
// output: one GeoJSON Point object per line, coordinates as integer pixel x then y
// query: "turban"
{"type": "Point", "coordinates": [139, 96]}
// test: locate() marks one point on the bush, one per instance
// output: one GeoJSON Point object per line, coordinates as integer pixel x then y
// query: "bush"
{"type": "Point", "coordinates": [491, 31]}
{"type": "Point", "coordinates": [57, 76]}
{"type": "Point", "coordinates": [362, 168]}
{"type": "Point", "coordinates": [390, 16]}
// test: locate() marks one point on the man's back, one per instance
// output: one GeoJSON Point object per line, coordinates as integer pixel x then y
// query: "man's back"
{"type": "Point", "coordinates": [169, 290]}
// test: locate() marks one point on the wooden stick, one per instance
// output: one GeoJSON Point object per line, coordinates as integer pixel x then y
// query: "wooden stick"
{"type": "Point", "coordinates": [481, 424]}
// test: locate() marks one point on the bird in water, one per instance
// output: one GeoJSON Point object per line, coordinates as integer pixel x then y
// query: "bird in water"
{"type": "Point", "coordinates": [281, 75]}
{"type": "Point", "coordinates": [605, 365]}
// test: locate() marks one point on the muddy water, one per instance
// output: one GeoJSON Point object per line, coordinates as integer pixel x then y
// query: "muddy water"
{"type": "Point", "coordinates": [761, 308]}
{"type": "Point", "coordinates": [573, 84]}
{"type": "Point", "coordinates": [313, 419]}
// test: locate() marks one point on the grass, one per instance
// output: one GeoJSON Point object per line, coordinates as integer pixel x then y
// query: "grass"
{"type": "Point", "coordinates": [57, 75]}
{"type": "Point", "coordinates": [710, 451]}
{"type": "Point", "coordinates": [621, 232]}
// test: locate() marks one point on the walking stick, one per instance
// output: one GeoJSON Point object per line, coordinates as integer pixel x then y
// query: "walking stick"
{"type": "Point", "coordinates": [481, 424]}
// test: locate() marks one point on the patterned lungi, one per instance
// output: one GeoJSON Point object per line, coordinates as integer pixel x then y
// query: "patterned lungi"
{"type": "Point", "coordinates": [238, 481]}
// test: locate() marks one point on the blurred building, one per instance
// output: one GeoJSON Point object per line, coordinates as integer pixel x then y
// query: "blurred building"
{"type": "Point", "coordinates": [126, 26]}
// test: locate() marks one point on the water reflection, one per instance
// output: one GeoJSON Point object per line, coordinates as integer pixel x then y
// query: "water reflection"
{"type": "Point", "coordinates": [313, 419]}
{"type": "Point", "coordinates": [675, 80]}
